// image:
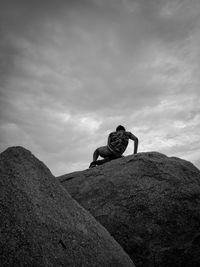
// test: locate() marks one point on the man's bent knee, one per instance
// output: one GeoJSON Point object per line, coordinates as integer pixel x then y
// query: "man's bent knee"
{"type": "Point", "coordinates": [104, 152]}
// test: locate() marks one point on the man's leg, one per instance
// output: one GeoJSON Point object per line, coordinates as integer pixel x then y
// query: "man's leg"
{"type": "Point", "coordinates": [104, 152]}
{"type": "Point", "coordinates": [108, 158]}
{"type": "Point", "coordinates": [96, 154]}
{"type": "Point", "coordinates": [95, 157]}
{"type": "Point", "coordinates": [102, 161]}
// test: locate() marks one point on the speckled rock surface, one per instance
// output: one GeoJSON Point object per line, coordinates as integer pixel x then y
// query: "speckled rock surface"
{"type": "Point", "coordinates": [150, 204]}
{"type": "Point", "coordinates": [41, 225]}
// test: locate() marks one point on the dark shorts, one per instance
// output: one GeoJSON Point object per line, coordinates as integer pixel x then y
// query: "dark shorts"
{"type": "Point", "coordinates": [105, 152]}
{"type": "Point", "coordinates": [107, 156]}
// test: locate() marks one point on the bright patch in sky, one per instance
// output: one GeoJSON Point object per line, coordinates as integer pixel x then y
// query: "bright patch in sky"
{"type": "Point", "coordinates": [89, 124]}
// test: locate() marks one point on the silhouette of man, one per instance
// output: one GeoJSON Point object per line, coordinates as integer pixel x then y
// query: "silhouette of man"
{"type": "Point", "coordinates": [116, 146]}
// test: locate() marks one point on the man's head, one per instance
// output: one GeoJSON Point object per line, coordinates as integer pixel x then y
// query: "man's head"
{"type": "Point", "coordinates": [120, 128]}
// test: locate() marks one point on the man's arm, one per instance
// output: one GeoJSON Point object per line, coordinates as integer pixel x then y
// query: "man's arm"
{"type": "Point", "coordinates": [135, 139]}
{"type": "Point", "coordinates": [108, 143]}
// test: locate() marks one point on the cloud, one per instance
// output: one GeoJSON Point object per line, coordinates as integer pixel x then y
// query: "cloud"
{"type": "Point", "coordinates": [71, 71]}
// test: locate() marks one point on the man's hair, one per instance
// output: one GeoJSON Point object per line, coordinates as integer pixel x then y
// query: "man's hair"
{"type": "Point", "coordinates": [120, 127]}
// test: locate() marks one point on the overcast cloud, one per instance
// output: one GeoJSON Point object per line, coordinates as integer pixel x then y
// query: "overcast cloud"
{"type": "Point", "coordinates": [71, 71]}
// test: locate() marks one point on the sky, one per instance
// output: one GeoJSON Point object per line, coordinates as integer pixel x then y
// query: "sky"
{"type": "Point", "coordinates": [72, 71]}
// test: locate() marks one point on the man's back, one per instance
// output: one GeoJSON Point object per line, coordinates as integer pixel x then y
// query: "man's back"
{"type": "Point", "coordinates": [118, 141]}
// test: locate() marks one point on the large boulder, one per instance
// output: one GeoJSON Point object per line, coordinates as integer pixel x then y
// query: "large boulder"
{"type": "Point", "coordinates": [41, 225]}
{"type": "Point", "coordinates": [150, 203]}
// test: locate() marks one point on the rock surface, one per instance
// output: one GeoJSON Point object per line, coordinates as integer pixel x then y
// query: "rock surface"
{"type": "Point", "coordinates": [150, 203]}
{"type": "Point", "coordinates": [41, 225]}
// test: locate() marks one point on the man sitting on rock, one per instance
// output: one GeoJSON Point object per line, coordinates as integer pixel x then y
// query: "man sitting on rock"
{"type": "Point", "coordinates": [116, 146]}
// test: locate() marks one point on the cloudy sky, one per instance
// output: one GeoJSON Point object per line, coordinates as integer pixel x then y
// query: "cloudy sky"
{"type": "Point", "coordinates": [71, 71]}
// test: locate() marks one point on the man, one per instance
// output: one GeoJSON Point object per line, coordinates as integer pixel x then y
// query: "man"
{"type": "Point", "coordinates": [116, 146]}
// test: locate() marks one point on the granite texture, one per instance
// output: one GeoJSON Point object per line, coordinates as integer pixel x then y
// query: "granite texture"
{"type": "Point", "coordinates": [150, 204]}
{"type": "Point", "coordinates": [41, 225]}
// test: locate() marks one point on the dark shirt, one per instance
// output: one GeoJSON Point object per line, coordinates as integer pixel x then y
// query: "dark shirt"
{"type": "Point", "coordinates": [118, 141]}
